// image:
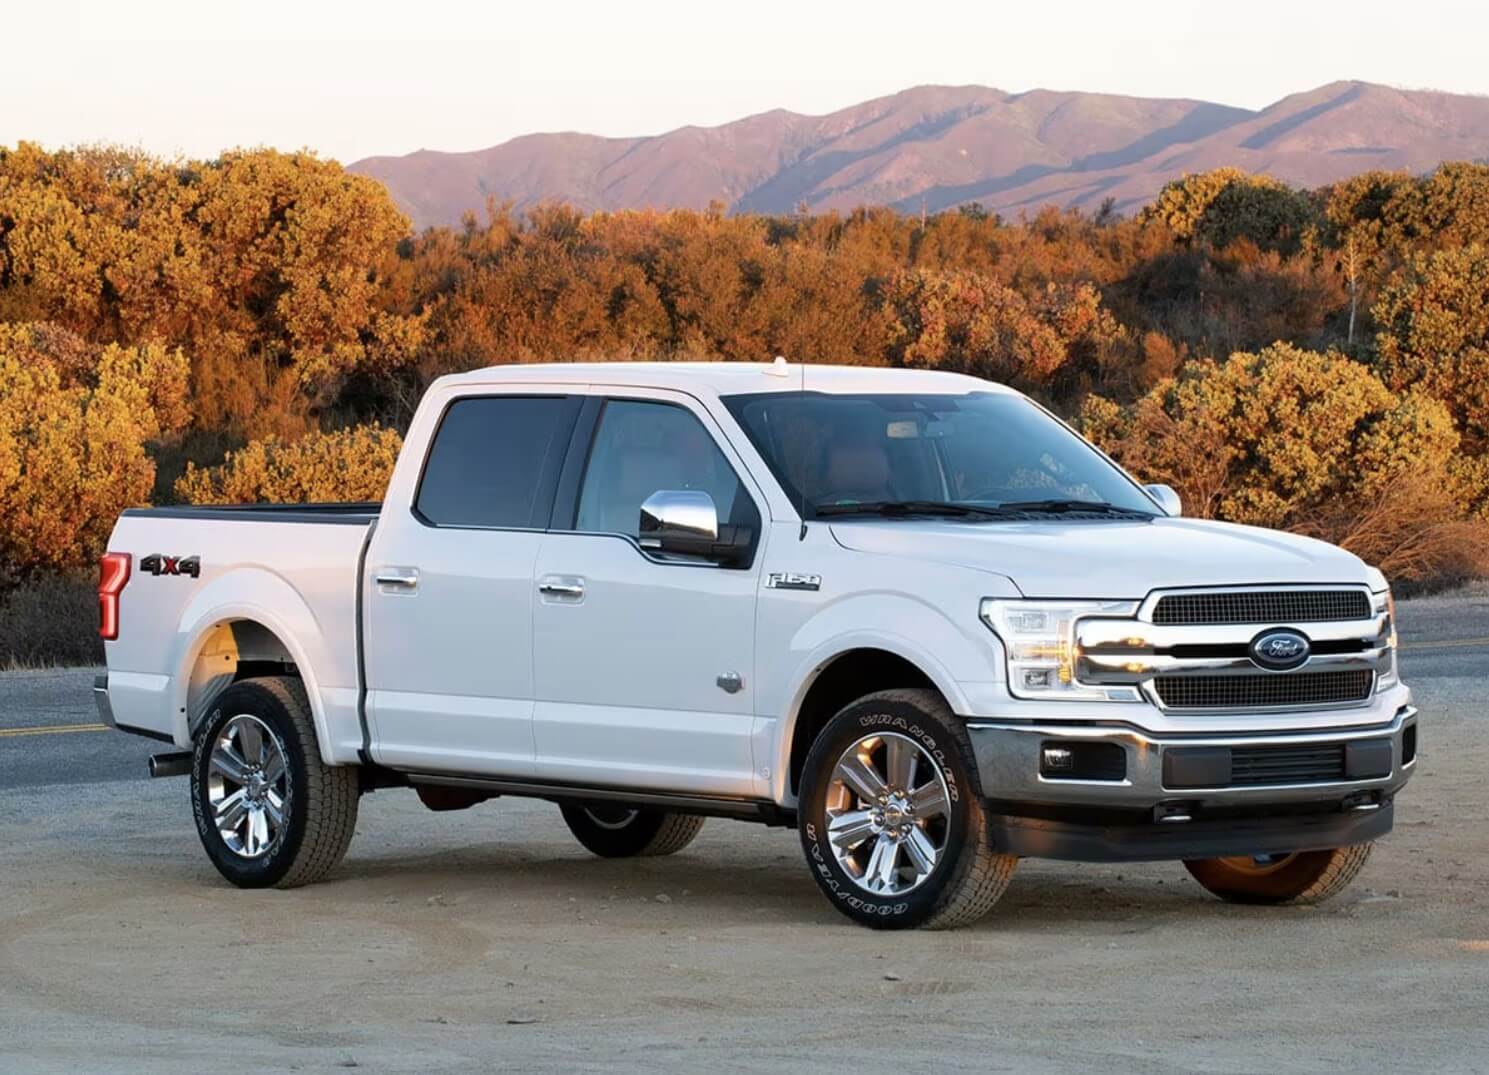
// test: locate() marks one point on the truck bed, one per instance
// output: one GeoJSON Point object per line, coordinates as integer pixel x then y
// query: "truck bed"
{"type": "Point", "coordinates": [198, 572]}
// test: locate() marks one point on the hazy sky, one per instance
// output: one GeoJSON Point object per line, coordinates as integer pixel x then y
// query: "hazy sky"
{"type": "Point", "coordinates": [376, 76]}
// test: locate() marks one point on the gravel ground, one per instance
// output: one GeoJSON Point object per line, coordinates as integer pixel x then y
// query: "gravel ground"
{"type": "Point", "coordinates": [488, 940]}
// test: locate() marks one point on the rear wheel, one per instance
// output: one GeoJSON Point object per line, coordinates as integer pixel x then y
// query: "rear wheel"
{"type": "Point", "coordinates": [1302, 877]}
{"type": "Point", "coordinates": [615, 830]}
{"type": "Point", "coordinates": [892, 819]}
{"type": "Point", "coordinates": [267, 809]}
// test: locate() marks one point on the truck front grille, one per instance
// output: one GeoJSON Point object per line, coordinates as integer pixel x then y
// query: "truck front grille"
{"type": "Point", "coordinates": [1265, 690]}
{"type": "Point", "coordinates": [1261, 606]}
{"type": "Point", "coordinates": [1318, 763]}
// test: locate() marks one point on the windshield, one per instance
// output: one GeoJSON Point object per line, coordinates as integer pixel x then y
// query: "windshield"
{"type": "Point", "coordinates": [983, 449]}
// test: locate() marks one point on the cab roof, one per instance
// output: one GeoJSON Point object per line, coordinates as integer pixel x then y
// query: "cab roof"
{"type": "Point", "coordinates": [733, 378]}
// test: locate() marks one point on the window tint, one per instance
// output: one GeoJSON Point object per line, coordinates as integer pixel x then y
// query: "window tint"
{"type": "Point", "coordinates": [642, 448]}
{"type": "Point", "coordinates": [494, 461]}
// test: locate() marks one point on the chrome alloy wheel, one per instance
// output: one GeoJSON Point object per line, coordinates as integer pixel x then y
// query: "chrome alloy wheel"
{"type": "Point", "coordinates": [247, 786]}
{"type": "Point", "coordinates": [888, 813]}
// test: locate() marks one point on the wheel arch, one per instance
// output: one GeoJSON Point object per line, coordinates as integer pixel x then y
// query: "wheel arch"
{"type": "Point", "coordinates": [231, 638]}
{"type": "Point", "coordinates": [851, 670]}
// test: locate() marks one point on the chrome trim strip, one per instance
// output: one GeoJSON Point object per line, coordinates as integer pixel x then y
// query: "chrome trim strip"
{"type": "Point", "coordinates": [1405, 715]}
{"type": "Point", "coordinates": [1008, 765]}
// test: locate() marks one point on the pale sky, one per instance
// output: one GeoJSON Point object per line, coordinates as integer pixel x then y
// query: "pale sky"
{"type": "Point", "coordinates": [193, 77]}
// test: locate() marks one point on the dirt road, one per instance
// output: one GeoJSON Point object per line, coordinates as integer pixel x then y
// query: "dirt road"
{"type": "Point", "coordinates": [488, 940]}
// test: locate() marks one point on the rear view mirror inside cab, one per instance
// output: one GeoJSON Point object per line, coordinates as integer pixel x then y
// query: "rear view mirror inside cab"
{"type": "Point", "coordinates": [912, 429]}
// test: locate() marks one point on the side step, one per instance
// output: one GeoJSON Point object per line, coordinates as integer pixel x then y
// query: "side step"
{"type": "Point", "coordinates": [174, 764]}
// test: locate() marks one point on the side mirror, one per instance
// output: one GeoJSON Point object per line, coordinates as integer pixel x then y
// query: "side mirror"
{"type": "Point", "coordinates": [1167, 499]}
{"type": "Point", "coordinates": [685, 522]}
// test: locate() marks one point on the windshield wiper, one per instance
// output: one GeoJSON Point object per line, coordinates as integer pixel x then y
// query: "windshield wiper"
{"type": "Point", "coordinates": [1061, 507]}
{"type": "Point", "coordinates": [895, 509]}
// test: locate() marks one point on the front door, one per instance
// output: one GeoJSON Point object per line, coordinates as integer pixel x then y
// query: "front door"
{"type": "Point", "coordinates": [644, 663]}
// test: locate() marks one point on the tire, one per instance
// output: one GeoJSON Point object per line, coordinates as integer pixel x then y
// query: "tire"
{"type": "Point", "coordinates": [617, 831]}
{"type": "Point", "coordinates": [881, 881]}
{"type": "Point", "coordinates": [1304, 877]}
{"type": "Point", "coordinates": [317, 802]}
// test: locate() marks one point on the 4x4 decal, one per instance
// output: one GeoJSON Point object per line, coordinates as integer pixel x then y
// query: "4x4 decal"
{"type": "Point", "coordinates": [157, 564]}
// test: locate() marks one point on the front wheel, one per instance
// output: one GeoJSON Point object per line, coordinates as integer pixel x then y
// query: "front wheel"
{"type": "Point", "coordinates": [614, 830]}
{"type": "Point", "coordinates": [892, 819]}
{"type": "Point", "coordinates": [1302, 877]}
{"type": "Point", "coordinates": [267, 809]}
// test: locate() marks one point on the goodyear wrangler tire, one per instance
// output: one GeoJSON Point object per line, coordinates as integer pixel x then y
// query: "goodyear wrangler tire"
{"type": "Point", "coordinates": [891, 816]}
{"type": "Point", "coordinates": [267, 809]}
{"type": "Point", "coordinates": [1304, 877]}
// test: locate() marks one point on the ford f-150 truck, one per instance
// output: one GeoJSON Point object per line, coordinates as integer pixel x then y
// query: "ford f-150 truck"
{"type": "Point", "coordinates": [909, 613]}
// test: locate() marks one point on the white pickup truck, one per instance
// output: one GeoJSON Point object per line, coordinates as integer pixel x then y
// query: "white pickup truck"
{"type": "Point", "coordinates": [910, 614]}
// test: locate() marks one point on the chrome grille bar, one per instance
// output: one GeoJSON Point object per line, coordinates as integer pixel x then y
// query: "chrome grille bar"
{"type": "Point", "coordinates": [1207, 667]}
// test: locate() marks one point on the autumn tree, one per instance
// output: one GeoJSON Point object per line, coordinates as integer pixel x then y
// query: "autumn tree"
{"type": "Point", "coordinates": [263, 266]}
{"type": "Point", "coordinates": [1434, 334]}
{"type": "Point", "coordinates": [967, 323]}
{"type": "Point", "coordinates": [347, 465]}
{"type": "Point", "coordinates": [1182, 203]}
{"type": "Point", "coordinates": [73, 440]}
{"type": "Point", "coordinates": [1293, 439]}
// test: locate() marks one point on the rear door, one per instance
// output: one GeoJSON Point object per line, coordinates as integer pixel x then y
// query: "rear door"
{"type": "Point", "coordinates": [450, 599]}
{"type": "Point", "coordinates": [644, 664]}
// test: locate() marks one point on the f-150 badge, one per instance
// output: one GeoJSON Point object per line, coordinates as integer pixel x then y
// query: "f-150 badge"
{"type": "Point", "coordinates": [790, 580]}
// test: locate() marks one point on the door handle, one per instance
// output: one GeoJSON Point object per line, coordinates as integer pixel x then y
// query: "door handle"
{"type": "Point", "coordinates": [563, 586]}
{"type": "Point", "coordinates": [398, 579]}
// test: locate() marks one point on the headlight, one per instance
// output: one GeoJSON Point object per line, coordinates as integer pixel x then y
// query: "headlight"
{"type": "Point", "coordinates": [1386, 602]}
{"type": "Point", "coordinates": [1039, 637]}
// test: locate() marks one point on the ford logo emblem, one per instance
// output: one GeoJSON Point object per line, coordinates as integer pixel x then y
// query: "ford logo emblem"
{"type": "Point", "coordinates": [1280, 650]}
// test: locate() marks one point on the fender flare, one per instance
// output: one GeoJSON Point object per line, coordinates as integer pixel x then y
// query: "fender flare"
{"type": "Point", "coordinates": [810, 667]}
{"type": "Point", "coordinates": [240, 595]}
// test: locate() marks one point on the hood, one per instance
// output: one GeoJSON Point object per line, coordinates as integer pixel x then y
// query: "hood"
{"type": "Point", "coordinates": [1117, 559]}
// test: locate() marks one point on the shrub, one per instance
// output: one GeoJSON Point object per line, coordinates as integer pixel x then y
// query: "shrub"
{"type": "Point", "coordinates": [1434, 333]}
{"type": "Point", "coordinates": [969, 323]}
{"type": "Point", "coordinates": [1309, 442]}
{"type": "Point", "coordinates": [50, 620]}
{"type": "Point", "coordinates": [347, 465]}
{"type": "Point", "coordinates": [72, 441]}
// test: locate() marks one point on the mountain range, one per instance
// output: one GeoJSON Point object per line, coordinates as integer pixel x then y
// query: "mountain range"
{"type": "Point", "coordinates": [934, 147]}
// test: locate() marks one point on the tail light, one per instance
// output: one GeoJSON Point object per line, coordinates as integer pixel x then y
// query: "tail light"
{"type": "Point", "coordinates": [113, 573]}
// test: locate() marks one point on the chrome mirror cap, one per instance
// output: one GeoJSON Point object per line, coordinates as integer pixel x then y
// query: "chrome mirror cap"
{"type": "Point", "coordinates": [1167, 499]}
{"type": "Point", "coordinates": [678, 513]}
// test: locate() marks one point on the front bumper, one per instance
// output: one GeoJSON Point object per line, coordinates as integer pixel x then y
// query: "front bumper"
{"type": "Point", "coordinates": [1183, 795]}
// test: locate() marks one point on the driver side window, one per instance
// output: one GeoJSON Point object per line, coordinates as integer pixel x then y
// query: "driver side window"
{"type": "Point", "coordinates": [641, 448]}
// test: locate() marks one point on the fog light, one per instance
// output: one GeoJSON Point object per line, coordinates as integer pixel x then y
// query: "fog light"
{"type": "Point", "coordinates": [1077, 760]}
{"type": "Point", "coordinates": [1056, 759]}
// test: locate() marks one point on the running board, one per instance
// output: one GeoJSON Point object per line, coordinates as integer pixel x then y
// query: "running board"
{"type": "Point", "coordinates": [761, 810]}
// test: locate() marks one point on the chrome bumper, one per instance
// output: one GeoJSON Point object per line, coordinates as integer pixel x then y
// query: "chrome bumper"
{"type": "Point", "coordinates": [1009, 757]}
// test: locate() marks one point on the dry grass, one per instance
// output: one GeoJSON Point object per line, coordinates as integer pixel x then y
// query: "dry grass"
{"type": "Point", "coordinates": [49, 621]}
{"type": "Point", "coordinates": [1412, 531]}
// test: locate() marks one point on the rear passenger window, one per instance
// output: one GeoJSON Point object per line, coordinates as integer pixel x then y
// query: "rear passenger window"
{"type": "Point", "coordinates": [495, 460]}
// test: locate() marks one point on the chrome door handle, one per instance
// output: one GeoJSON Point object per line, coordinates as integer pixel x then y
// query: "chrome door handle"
{"type": "Point", "coordinates": [556, 586]}
{"type": "Point", "coordinates": [398, 579]}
